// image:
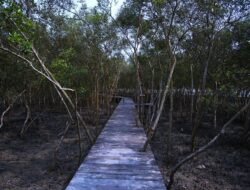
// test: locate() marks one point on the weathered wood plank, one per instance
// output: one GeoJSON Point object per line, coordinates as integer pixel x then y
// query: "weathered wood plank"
{"type": "Point", "coordinates": [119, 169]}
{"type": "Point", "coordinates": [113, 184]}
{"type": "Point", "coordinates": [115, 162]}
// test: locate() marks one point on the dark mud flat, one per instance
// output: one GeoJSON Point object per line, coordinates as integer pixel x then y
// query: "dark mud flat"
{"type": "Point", "coordinates": [225, 166]}
{"type": "Point", "coordinates": [28, 163]}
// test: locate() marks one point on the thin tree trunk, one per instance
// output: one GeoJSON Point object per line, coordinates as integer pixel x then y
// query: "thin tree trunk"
{"type": "Point", "coordinates": [138, 88]}
{"type": "Point", "coordinates": [246, 125]}
{"type": "Point", "coordinates": [199, 104]}
{"type": "Point", "coordinates": [78, 130]}
{"type": "Point", "coordinates": [215, 106]}
{"type": "Point", "coordinates": [150, 108]}
{"type": "Point", "coordinates": [160, 93]}
{"type": "Point", "coordinates": [9, 107]}
{"type": "Point", "coordinates": [169, 145]}
{"type": "Point", "coordinates": [160, 109]}
{"type": "Point", "coordinates": [192, 95]}
{"type": "Point", "coordinates": [28, 116]}
{"type": "Point", "coordinates": [97, 101]}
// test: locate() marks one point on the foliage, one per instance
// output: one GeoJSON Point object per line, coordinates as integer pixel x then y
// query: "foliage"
{"type": "Point", "coordinates": [67, 73]}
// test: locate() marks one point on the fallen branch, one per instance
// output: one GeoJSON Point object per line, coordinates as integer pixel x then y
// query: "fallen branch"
{"type": "Point", "coordinates": [205, 147]}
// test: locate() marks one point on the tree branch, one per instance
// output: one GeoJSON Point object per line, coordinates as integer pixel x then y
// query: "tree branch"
{"type": "Point", "coordinates": [205, 147]}
{"type": "Point", "coordinates": [9, 107]}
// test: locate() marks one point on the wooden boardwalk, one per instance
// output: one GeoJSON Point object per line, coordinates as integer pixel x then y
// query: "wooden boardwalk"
{"type": "Point", "coordinates": [114, 162]}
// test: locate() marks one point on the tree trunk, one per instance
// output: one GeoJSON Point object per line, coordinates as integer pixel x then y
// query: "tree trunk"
{"type": "Point", "coordinates": [192, 95]}
{"type": "Point", "coordinates": [150, 108]}
{"type": "Point", "coordinates": [215, 106]}
{"type": "Point", "coordinates": [246, 125]}
{"type": "Point", "coordinates": [160, 109]}
{"type": "Point", "coordinates": [169, 146]}
{"type": "Point", "coordinates": [199, 103]}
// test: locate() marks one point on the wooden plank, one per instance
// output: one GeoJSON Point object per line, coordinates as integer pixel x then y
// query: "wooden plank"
{"type": "Point", "coordinates": [115, 162]}
{"type": "Point", "coordinates": [118, 168]}
{"type": "Point", "coordinates": [114, 184]}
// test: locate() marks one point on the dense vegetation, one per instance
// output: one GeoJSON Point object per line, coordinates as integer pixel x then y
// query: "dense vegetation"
{"type": "Point", "coordinates": [185, 56]}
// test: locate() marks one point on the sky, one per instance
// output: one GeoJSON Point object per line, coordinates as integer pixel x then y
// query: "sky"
{"type": "Point", "coordinates": [91, 3]}
{"type": "Point", "coordinates": [115, 7]}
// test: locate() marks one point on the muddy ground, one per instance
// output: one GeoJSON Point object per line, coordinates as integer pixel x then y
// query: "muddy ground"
{"type": "Point", "coordinates": [225, 166]}
{"type": "Point", "coordinates": [27, 163]}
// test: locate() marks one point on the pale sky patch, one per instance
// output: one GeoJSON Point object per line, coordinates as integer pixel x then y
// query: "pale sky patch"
{"type": "Point", "coordinates": [115, 7]}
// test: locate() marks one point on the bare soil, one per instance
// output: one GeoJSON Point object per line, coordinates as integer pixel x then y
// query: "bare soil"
{"type": "Point", "coordinates": [27, 163]}
{"type": "Point", "coordinates": [225, 166]}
